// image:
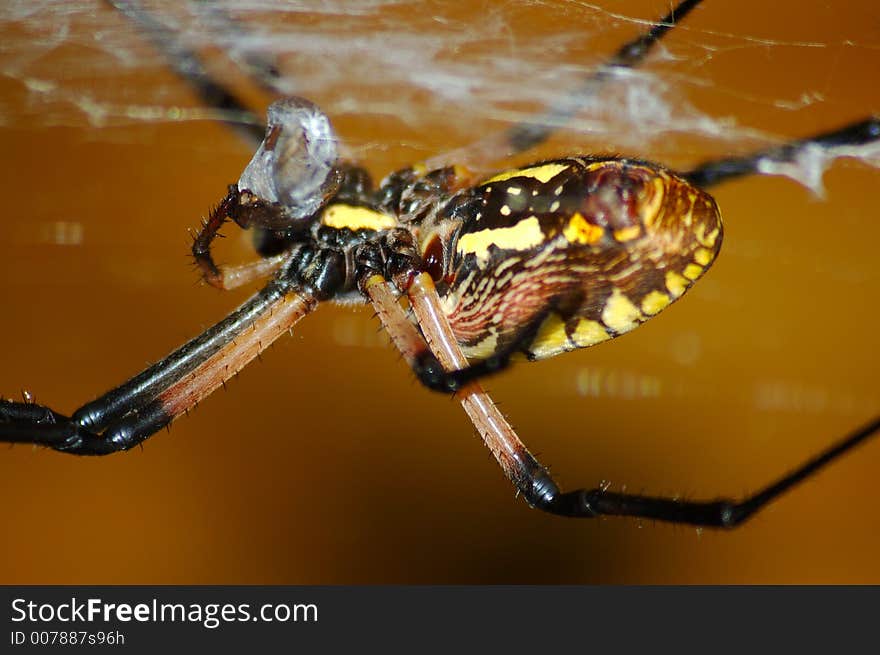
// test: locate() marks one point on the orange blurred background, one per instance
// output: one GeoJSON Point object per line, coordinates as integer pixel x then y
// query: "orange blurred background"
{"type": "Point", "coordinates": [327, 463]}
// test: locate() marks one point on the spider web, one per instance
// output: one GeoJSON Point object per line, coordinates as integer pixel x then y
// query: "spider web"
{"type": "Point", "coordinates": [444, 74]}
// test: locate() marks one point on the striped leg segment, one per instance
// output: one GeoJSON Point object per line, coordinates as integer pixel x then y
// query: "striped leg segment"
{"type": "Point", "coordinates": [520, 466]}
{"type": "Point", "coordinates": [127, 415]}
{"type": "Point", "coordinates": [427, 367]}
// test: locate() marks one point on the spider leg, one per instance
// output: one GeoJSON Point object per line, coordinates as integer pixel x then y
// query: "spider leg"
{"type": "Point", "coordinates": [257, 65]}
{"type": "Point", "coordinates": [528, 134]}
{"type": "Point", "coordinates": [518, 464]}
{"type": "Point", "coordinates": [128, 414]}
{"type": "Point", "coordinates": [424, 363]}
{"type": "Point", "coordinates": [228, 277]}
{"type": "Point", "coordinates": [527, 474]}
{"type": "Point", "coordinates": [233, 277]}
{"type": "Point", "coordinates": [843, 141]}
{"type": "Point", "coordinates": [720, 513]}
{"type": "Point", "coordinates": [188, 65]}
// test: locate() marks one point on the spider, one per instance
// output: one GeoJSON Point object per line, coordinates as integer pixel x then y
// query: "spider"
{"type": "Point", "coordinates": [533, 261]}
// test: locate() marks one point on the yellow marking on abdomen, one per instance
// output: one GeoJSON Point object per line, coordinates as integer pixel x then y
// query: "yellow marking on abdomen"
{"type": "Point", "coordinates": [543, 173]}
{"type": "Point", "coordinates": [482, 349]}
{"type": "Point", "coordinates": [654, 302]}
{"type": "Point", "coordinates": [675, 283]}
{"type": "Point", "coordinates": [522, 236]}
{"type": "Point", "coordinates": [619, 313]}
{"type": "Point", "coordinates": [589, 333]}
{"type": "Point", "coordinates": [551, 338]}
{"type": "Point", "coordinates": [706, 240]}
{"type": "Point", "coordinates": [341, 216]}
{"type": "Point", "coordinates": [703, 256]}
{"type": "Point", "coordinates": [579, 230]}
{"type": "Point", "coordinates": [692, 271]}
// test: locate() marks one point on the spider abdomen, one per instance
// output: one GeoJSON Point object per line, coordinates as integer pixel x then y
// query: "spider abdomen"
{"type": "Point", "coordinates": [591, 247]}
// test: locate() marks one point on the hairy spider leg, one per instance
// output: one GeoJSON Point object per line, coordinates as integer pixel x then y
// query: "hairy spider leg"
{"type": "Point", "coordinates": [532, 479]}
{"type": "Point", "coordinates": [518, 464]}
{"type": "Point", "coordinates": [227, 277]}
{"type": "Point", "coordinates": [130, 413]}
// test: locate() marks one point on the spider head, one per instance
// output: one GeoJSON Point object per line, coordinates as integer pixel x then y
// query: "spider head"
{"type": "Point", "coordinates": [293, 173]}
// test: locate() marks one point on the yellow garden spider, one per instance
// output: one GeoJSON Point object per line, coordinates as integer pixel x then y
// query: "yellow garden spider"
{"type": "Point", "coordinates": [319, 263]}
